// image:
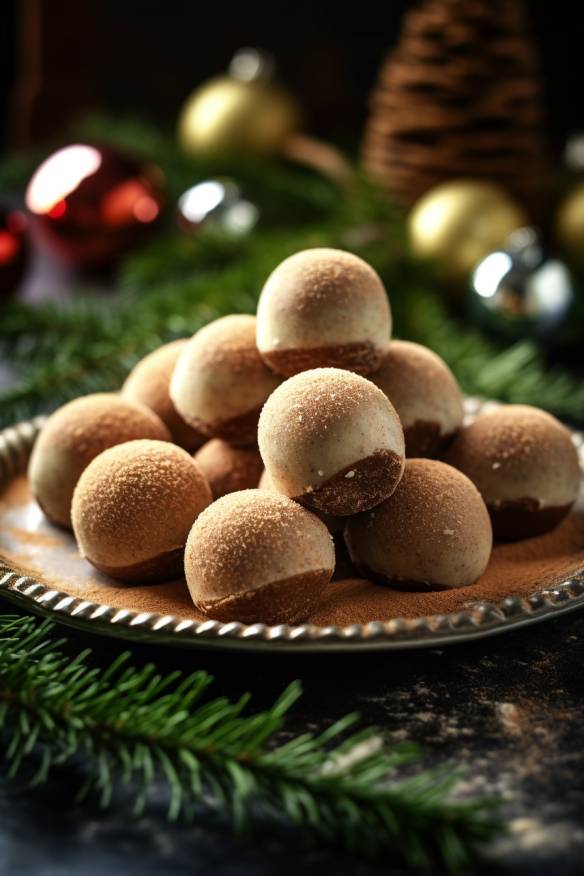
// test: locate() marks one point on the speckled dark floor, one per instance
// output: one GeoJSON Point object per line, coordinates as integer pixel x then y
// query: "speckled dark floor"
{"type": "Point", "coordinates": [510, 709]}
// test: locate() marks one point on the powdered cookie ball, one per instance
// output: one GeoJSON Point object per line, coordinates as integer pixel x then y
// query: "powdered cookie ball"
{"type": "Point", "coordinates": [73, 436]}
{"type": "Point", "coordinates": [332, 440]}
{"type": "Point", "coordinates": [433, 531]}
{"type": "Point", "coordinates": [133, 508]}
{"type": "Point", "coordinates": [149, 383]}
{"type": "Point", "coordinates": [323, 307]}
{"type": "Point", "coordinates": [424, 393]}
{"type": "Point", "coordinates": [258, 557]}
{"type": "Point", "coordinates": [335, 525]}
{"type": "Point", "coordinates": [524, 464]}
{"type": "Point", "coordinates": [228, 468]}
{"type": "Point", "coordinates": [221, 382]}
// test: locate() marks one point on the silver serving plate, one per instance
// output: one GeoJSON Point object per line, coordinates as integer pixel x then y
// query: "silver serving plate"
{"type": "Point", "coordinates": [480, 620]}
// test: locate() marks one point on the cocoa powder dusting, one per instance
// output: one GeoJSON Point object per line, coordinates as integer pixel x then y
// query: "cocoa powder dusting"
{"type": "Point", "coordinates": [514, 569]}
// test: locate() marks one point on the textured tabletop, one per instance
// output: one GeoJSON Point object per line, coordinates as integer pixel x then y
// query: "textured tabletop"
{"type": "Point", "coordinates": [510, 709]}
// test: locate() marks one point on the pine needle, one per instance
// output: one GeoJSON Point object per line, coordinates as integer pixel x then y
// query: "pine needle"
{"type": "Point", "coordinates": [177, 282]}
{"type": "Point", "coordinates": [131, 726]}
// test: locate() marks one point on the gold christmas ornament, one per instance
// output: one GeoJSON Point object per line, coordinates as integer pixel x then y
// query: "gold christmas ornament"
{"type": "Point", "coordinates": [569, 225]}
{"type": "Point", "coordinates": [457, 223]}
{"type": "Point", "coordinates": [240, 112]}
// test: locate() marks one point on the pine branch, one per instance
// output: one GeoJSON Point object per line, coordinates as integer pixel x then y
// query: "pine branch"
{"type": "Point", "coordinates": [177, 283]}
{"type": "Point", "coordinates": [133, 726]}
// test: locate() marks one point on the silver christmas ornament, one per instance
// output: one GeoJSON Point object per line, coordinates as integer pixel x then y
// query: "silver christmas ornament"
{"type": "Point", "coordinates": [519, 291]}
{"type": "Point", "coordinates": [216, 203]}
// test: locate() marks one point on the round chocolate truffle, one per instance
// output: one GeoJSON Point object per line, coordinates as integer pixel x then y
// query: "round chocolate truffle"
{"type": "Point", "coordinates": [524, 464]}
{"type": "Point", "coordinates": [133, 509]}
{"type": "Point", "coordinates": [228, 468]}
{"type": "Point", "coordinates": [332, 440]}
{"type": "Point", "coordinates": [221, 382]}
{"type": "Point", "coordinates": [149, 383]}
{"type": "Point", "coordinates": [433, 531]}
{"type": "Point", "coordinates": [323, 307]}
{"type": "Point", "coordinates": [73, 436]}
{"type": "Point", "coordinates": [258, 557]}
{"type": "Point", "coordinates": [425, 394]}
{"type": "Point", "coordinates": [335, 525]}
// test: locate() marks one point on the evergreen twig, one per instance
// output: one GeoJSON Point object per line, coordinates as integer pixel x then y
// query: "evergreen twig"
{"type": "Point", "coordinates": [133, 726]}
{"type": "Point", "coordinates": [176, 283]}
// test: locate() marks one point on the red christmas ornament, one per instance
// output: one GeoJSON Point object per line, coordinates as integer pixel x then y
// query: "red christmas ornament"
{"type": "Point", "coordinates": [92, 203]}
{"type": "Point", "coordinates": [13, 249]}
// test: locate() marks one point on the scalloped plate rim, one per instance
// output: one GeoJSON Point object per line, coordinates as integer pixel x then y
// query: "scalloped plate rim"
{"type": "Point", "coordinates": [482, 620]}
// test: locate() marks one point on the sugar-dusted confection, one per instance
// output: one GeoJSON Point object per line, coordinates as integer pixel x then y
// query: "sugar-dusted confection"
{"type": "Point", "coordinates": [323, 307]}
{"type": "Point", "coordinates": [149, 383]}
{"type": "Point", "coordinates": [133, 509]}
{"type": "Point", "coordinates": [74, 435]}
{"type": "Point", "coordinates": [258, 557]}
{"type": "Point", "coordinates": [228, 468]}
{"type": "Point", "coordinates": [335, 525]}
{"type": "Point", "coordinates": [425, 394]}
{"type": "Point", "coordinates": [332, 440]}
{"type": "Point", "coordinates": [221, 382]}
{"type": "Point", "coordinates": [433, 532]}
{"type": "Point", "coordinates": [524, 464]}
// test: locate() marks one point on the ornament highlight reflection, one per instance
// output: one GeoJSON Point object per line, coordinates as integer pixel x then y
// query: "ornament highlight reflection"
{"type": "Point", "coordinates": [58, 176]}
{"type": "Point", "coordinates": [92, 203]}
{"type": "Point", "coordinates": [217, 202]}
{"type": "Point", "coordinates": [519, 291]}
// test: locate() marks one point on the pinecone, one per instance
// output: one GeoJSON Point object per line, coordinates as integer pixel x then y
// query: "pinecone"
{"type": "Point", "coordinates": [460, 96]}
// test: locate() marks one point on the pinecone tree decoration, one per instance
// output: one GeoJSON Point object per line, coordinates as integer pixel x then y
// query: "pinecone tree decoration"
{"type": "Point", "coordinates": [460, 96]}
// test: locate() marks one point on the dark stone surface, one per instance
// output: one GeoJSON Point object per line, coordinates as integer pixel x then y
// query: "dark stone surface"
{"type": "Point", "coordinates": [508, 709]}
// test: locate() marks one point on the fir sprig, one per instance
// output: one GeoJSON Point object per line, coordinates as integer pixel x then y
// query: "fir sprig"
{"type": "Point", "coordinates": [176, 283]}
{"type": "Point", "coordinates": [135, 726]}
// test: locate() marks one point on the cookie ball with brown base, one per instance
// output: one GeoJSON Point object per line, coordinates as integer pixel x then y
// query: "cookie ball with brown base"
{"type": "Point", "coordinates": [332, 440]}
{"type": "Point", "coordinates": [335, 525]}
{"type": "Point", "coordinates": [149, 383]}
{"type": "Point", "coordinates": [323, 307]}
{"type": "Point", "coordinates": [524, 464]}
{"type": "Point", "coordinates": [221, 382]}
{"type": "Point", "coordinates": [425, 394]}
{"type": "Point", "coordinates": [133, 509]}
{"type": "Point", "coordinates": [433, 532]}
{"type": "Point", "coordinates": [74, 435]}
{"type": "Point", "coordinates": [228, 468]}
{"type": "Point", "coordinates": [258, 557]}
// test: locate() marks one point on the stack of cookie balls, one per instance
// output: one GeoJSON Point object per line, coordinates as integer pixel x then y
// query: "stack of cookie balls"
{"type": "Point", "coordinates": [245, 455]}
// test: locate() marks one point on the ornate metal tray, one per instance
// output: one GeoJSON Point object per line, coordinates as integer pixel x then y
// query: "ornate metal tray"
{"type": "Point", "coordinates": [479, 620]}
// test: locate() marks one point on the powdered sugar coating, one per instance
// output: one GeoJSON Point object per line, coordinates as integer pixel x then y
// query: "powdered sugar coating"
{"type": "Point", "coordinates": [319, 424]}
{"type": "Point", "coordinates": [149, 384]}
{"type": "Point", "coordinates": [321, 298]}
{"type": "Point", "coordinates": [252, 539]}
{"type": "Point", "coordinates": [519, 452]}
{"type": "Point", "coordinates": [74, 435]}
{"type": "Point", "coordinates": [421, 387]}
{"type": "Point", "coordinates": [434, 530]}
{"type": "Point", "coordinates": [137, 501]}
{"type": "Point", "coordinates": [220, 377]}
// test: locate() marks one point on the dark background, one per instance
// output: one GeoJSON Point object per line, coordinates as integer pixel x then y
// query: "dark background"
{"type": "Point", "coordinates": [145, 56]}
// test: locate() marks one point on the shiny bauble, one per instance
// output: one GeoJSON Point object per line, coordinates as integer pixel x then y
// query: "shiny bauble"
{"type": "Point", "coordinates": [457, 223]}
{"type": "Point", "coordinates": [13, 249]}
{"type": "Point", "coordinates": [93, 203]}
{"type": "Point", "coordinates": [216, 204]}
{"type": "Point", "coordinates": [569, 224]}
{"type": "Point", "coordinates": [240, 113]}
{"type": "Point", "coordinates": [520, 291]}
